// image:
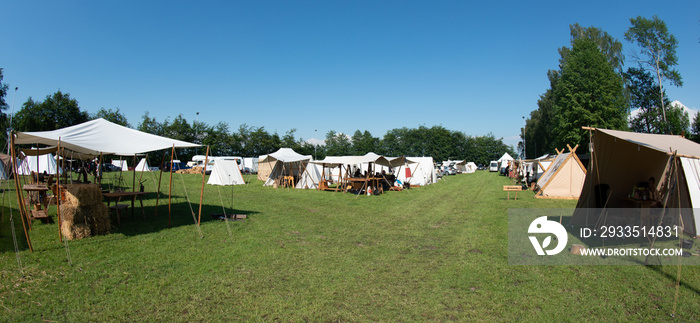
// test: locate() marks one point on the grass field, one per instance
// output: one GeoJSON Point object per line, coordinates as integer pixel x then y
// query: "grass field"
{"type": "Point", "coordinates": [428, 254]}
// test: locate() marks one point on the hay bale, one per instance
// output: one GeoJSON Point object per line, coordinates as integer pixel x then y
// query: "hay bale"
{"type": "Point", "coordinates": [83, 194]}
{"type": "Point", "coordinates": [82, 213]}
{"type": "Point", "coordinates": [75, 232]}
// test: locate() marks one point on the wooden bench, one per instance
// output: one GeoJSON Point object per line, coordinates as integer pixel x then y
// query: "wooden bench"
{"type": "Point", "coordinates": [118, 208]}
{"type": "Point", "coordinates": [509, 188]}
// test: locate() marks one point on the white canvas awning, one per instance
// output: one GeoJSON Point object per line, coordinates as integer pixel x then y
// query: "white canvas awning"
{"type": "Point", "coordinates": [101, 136]}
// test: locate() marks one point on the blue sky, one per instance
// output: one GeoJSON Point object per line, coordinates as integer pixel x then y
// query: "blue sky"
{"type": "Point", "coordinates": [476, 67]}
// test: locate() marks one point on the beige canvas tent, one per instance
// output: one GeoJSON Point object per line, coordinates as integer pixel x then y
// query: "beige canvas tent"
{"type": "Point", "coordinates": [283, 162]}
{"type": "Point", "coordinates": [564, 178]}
{"type": "Point", "coordinates": [620, 160]}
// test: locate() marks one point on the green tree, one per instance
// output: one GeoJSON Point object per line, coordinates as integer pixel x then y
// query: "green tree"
{"type": "Point", "coordinates": [539, 134]}
{"type": "Point", "coordinates": [364, 142]}
{"type": "Point", "coordinates": [218, 138]}
{"type": "Point", "coordinates": [644, 96]}
{"type": "Point", "coordinates": [150, 125]}
{"type": "Point", "coordinates": [657, 52]}
{"type": "Point", "coordinates": [3, 106]}
{"type": "Point", "coordinates": [695, 129]}
{"type": "Point", "coordinates": [337, 144]}
{"type": "Point", "coordinates": [112, 116]}
{"type": "Point", "coordinates": [589, 93]}
{"type": "Point", "coordinates": [55, 112]}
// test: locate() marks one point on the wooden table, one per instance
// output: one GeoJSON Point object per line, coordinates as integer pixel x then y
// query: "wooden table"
{"type": "Point", "coordinates": [109, 196]}
{"type": "Point", "coordinates": [358, 183]}
{"type": "Point", "coordinates": [41, 189]}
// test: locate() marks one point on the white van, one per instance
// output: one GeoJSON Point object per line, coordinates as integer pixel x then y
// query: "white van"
{"type": "Point", "coordinates": [493, 166]}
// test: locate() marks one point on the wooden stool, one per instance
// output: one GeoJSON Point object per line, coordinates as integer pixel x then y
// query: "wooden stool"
{"type": "Point", "coordinates": [118, 208]}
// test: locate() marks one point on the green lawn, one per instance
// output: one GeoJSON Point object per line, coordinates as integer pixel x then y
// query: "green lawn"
{"type": "Point", "coordinates": [434, 253]}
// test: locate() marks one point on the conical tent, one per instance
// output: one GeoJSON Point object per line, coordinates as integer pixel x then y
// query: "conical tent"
{"type": "Point", "coordinates": [225, 172]}
{"type": "Point", "coordinates": [142, 166]}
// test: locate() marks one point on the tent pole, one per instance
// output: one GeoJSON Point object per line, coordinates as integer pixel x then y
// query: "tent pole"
{"type": "Point", "coordinates": [170, 189]}
{"type": "Point", "coordinates": [133, 178]}
{"type": "Point", "coordinates": [58, 193]}
{"type": "Point", "coordinates": [201, 194]}
{"type": "Point", "coordinates": [160, 177]}
{"type": "Point", "coordinates": [20, 205]}
{"type": "Point", "coordinates": [99, 171]}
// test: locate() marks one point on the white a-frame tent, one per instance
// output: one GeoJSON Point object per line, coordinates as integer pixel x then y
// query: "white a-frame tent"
{"type": "Point", "coordinates": [564, 178]}
{"type": "Point", "coordinates": [142, 166]}
{"type": "Point", "coordinates": [225, 172]}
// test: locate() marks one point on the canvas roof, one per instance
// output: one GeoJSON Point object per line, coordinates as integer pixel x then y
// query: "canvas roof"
{"type": "Point", "coordinates": [662, 143]}
{"type": "Point", "coordinates": [101, 136]}
{"type": "Point", "coordinates": [505, 157]}
{"type": "Point", "coordinates": [285, 155]}
{"type": "Point", "coordinates": [621, 160]}
{"type": "Point", "coordinates": [335, 161]}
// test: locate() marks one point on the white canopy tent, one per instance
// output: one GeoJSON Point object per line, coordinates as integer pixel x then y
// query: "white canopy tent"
{"type": "Point", "coordinates": [100, 136]}
{"type": "Point", "coordinates": [225, 172]}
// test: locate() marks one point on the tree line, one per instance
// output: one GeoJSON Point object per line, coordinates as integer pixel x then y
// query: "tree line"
{"type": "Point", "coordinates": [59, 110]}
{"type": "Point", "coordinates": [592, 88]}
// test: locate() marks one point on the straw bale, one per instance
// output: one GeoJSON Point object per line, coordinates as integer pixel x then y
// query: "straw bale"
{"type": "Point", "coordinates": [83, 214]}
{"type": "Point", "coordinates": [75, 232]}
{"type": "Point", "coordinates": [83, 194]}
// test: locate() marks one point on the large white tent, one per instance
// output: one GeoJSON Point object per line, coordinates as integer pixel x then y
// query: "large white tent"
{"type": "Point", "coordinates": [101, 136]}
{"type": "Point", "coordinates": [225, 172]}
{"type": "Point", "coordinates": [283, 162]}
{"type": "Point", "coordinates": [37, 164]}
{"type": "Point", "coordinates": [422, 171]}
{"type": "Point", "coordinates": [503, 161]}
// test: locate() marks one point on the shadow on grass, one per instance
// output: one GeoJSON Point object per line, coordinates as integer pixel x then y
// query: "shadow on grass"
{"type": "Point", "coordinates": [135, 221]}
{"type": "Point", "coordinates": [180, 214]}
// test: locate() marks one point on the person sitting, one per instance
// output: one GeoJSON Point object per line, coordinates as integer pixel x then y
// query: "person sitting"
{"type": "Point", "coordinates": [654, 193]}
{"type": "Point", "coordinates": [357, 173]}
